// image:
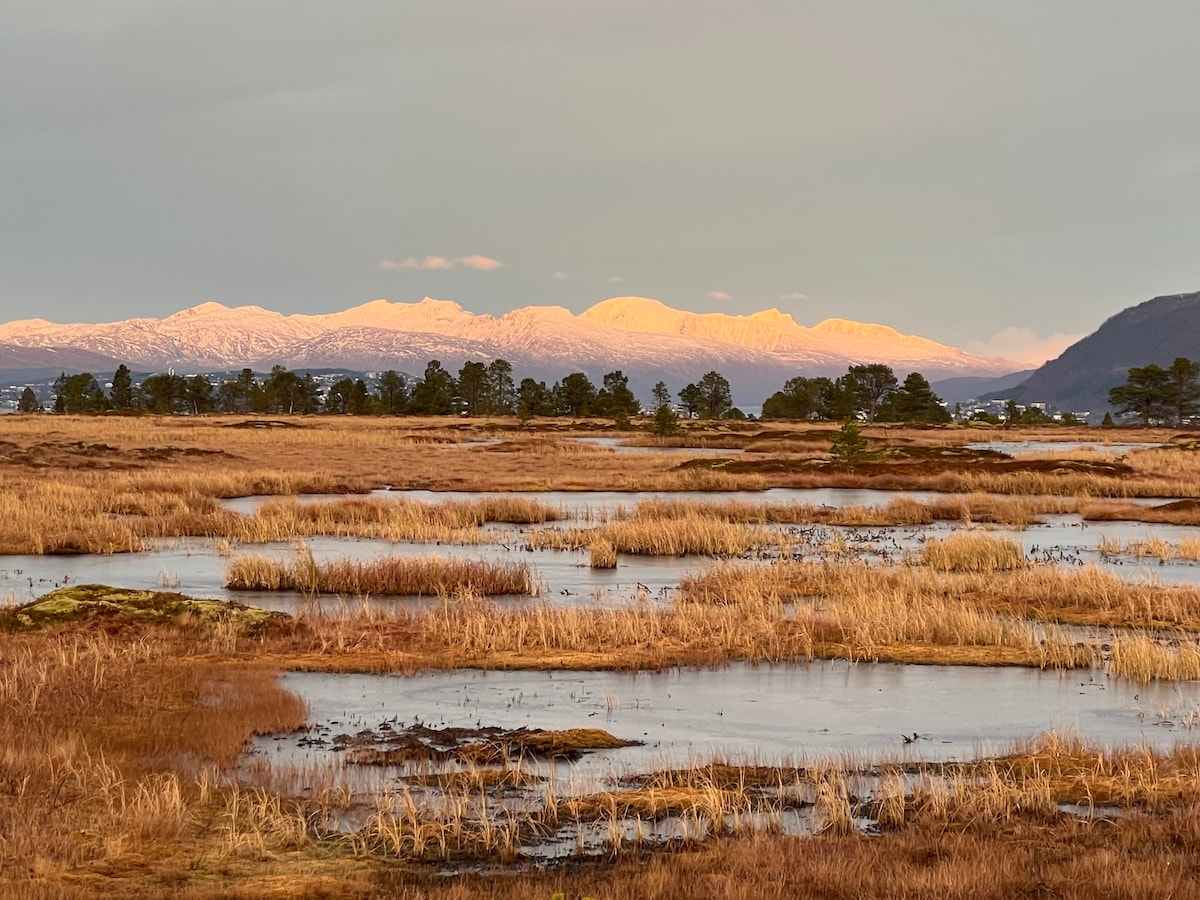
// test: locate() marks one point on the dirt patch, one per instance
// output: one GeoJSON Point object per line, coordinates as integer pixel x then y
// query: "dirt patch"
{"type": "Point", "coordinates": [392, 743]}
{"type": "Point", "coordinates": [263, 423]}
{"type": "Point", "coordinates": [914, 462]}
{"type": "Point", "coordinates": [162, 454]}
{"type": "Point", "coordinates": [66, 454]}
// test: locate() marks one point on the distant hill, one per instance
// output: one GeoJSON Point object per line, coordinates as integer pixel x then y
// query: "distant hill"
{"type": "Point", "coordinates": [1156, 331]}
{"type": "Point", "coordinates": [973, 387]}
{"type": "Point", "coordinates": [20, 364]}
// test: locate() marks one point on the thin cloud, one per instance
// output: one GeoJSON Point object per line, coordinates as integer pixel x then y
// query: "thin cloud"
{"type": "Point", "coordinates": [793, 297]}
{"type": "Point", "coordinates": [561, 276]}
{"type": "Point", "coordinates": [615, 280]}
{"type": "Point", "coordinates": [441, 263]}
{"type": "Point", "coordinates": [482, 263]}
{"type": "Point", "coordinates": [1022, 345]}
{"type": "Point", "coordinates": [718, 295]}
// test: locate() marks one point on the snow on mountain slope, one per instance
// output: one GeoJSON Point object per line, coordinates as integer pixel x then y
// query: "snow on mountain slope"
{"type": "Point", "coordinates": [209, 335]}
{"type": "Point", "coordinates": [777, 332]}
{"type": "Point", "coordinates": [643, 337]}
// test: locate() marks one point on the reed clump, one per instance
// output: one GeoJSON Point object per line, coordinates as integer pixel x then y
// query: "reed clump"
{"type": "Point", "coordinates": [390, 519]}
{"type": "Point", "coordinates": [1145, 657]}
{"type": "Point", "coordinates": [391, 575]}
{"type": "Point", "coordinates": [690, 533]}
{"type": "Point", "coordinates": [981, 508]}
{"type": "Point", "coordinates": [968, 551]}
{"type": "Point", "coordinates": [603, 554]}
{"type": "Point", "coordinates": [1080, 596]}
{"type": "Point", "coordinates": [1074, 771]}
{"type": "Point", "coordinates": [875, 626]}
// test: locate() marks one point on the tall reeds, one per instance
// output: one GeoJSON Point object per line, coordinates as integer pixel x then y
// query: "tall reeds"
{"type": "Point", "coordinates": [392, 575]}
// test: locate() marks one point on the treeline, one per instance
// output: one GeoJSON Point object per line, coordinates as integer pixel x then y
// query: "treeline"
{"type": "Point", "coordinates": [478, 390]}
{"type": "Point", "coordinates": [868, 391]}
{"type": "Point", "coordinates": [1159, 396]}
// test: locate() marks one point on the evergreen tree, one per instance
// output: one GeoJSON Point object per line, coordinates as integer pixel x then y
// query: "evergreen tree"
{"type": "Point", "coordinates": [503, 397]}
{"type": "Point", "coordinates": [660, 395]}
{"type": "Point", "coordinates": [801, 398]}
{"type": "Point", "coordinates": [576, 394]}
{"type": "Point", "coordinates": [872, 385]}
{"type": "Point", "coordinates": [434, 395]}
{"type": "Point", "coordinates": [915, 401]}
{"type": "Point", "coordinates": [392, 393]}
{"type": "Point", "coordinates": [689, 399]}
{"type": "Point", "coordinates": [241, 394]}
{"type": "Point", "coordinates": [710, 397]}
{"type": "Point", "coordinates": [360, 399]}
{"type": "Point", "coordinates": [534, 398]}
{"type": "Point", "coordinates": [78, 394]}
{"type": "Point", "coordinates": [121, 392]}
{"type": "Point", "coordinates": [1146, 393]}
{"type": "Point", "coordinates": [615, 398]}
{"type": "Point", "coordinates": [287, 392]}
{"type": "Point", "coordinates": [163, 394]}
{"type": "Point", "coordinates": [198, 394]}
{"type": "Point", "coordinates": [28, 402]}
{"type": "Point", "coordinates": [474, 389]}
{"type": "Point", "coordinates": [337, 401]}
{"type": "Point", "coordinates": [665, 422]}
{"type": "Point", "coordinates": [1183, 388]}
{"type": "Point", "coordinates": [848, 446]}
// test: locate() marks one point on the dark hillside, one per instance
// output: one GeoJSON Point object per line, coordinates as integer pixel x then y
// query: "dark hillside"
{"type": "Point", "coordinates": [1156, 331]}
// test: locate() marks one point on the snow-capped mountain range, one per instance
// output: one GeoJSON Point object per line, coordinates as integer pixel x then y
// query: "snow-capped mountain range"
{"type": "Point", "coordinates": [645, 338]}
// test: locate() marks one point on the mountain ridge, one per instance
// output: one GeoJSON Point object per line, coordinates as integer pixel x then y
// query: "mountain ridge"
{"type": "Point", "coordinates": [644, 337]}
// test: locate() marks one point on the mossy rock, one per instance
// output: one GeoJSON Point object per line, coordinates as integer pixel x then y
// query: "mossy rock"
{"type": "Point", "coordinates": [91, 602]}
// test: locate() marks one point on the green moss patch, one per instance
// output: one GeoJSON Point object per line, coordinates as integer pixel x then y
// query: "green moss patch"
{"type": "Point", "coordinates": [91, 602]}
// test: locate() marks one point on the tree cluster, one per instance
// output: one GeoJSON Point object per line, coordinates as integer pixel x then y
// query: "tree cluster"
{"type": "Point", "coordinates": [1158, 396]}
{"type": "Point", "coordinates": [478, 390]}
{"type": "Point", "coordinates": [868, 391]}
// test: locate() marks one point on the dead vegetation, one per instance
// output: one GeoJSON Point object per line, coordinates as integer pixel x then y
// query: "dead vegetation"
{"type": "Point", "coordinates": [425, 577]}
{"type": "Point", "coordinates": [117, 728]}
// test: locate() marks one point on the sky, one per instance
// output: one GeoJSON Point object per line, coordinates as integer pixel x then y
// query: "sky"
{"type": "Point", "coordinates": [1000, 176]}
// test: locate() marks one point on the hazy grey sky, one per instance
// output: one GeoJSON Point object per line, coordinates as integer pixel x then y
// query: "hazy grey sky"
{"type": "Point", "coordinates": [949, 167]}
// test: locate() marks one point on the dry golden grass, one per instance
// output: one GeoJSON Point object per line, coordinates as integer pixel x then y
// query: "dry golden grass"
{"type": "Point", "coordinates": [75, 502]}
{"type": "Point", "coordinates": [981, 508]}
{"type": "Point", "coordinates": [108, 739]}
{"type": "Point", "coordinates": [391, 575]}
{"type": "Point", "coordinates": [107, 748]}
{"type": "Point", "coordinates": [111, 736]}
{"type": "Point", "coordinates": [687, 534]}
{"type": "Point", "coordinates": [1085, 596]}
{"type": "Point", "coordinates": [1152, 546]}
{"type": "Point", "coordinates": [1145, 657]}
{"type": "Point", "coordinates": [970, 551]}
{"type": "Point", "coordinates": [390, 519]}
{"type": "Point", "coordinates": [981, 860]}
{"type": "Point", "coordinates": [1181, 512]}
{"type": "Point", "coordinates": [603, 555]}
{"type": "Point", "coordinates": [878, 625]}
{"type": "Point", "coordinates": [1129, 778]}
{"type": "Point", "coordinates": [110, 513]}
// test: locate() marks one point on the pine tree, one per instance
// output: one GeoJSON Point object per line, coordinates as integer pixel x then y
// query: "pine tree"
{"type": "Point", "coordinates": [28, 402]}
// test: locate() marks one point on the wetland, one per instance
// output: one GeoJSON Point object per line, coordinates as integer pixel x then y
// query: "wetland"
{"type": "Point", "coordinates": [411, 659]}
